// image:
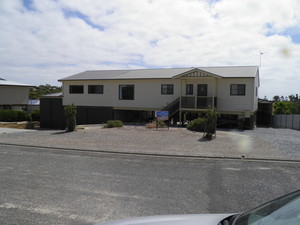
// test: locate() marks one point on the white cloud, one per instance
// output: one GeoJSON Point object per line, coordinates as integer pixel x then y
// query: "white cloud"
{"type": "Point", "coordinates": [54, 39]}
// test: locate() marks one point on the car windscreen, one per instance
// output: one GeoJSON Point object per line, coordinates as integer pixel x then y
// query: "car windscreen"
{"type": "Point", "coordinates": [281, 211]}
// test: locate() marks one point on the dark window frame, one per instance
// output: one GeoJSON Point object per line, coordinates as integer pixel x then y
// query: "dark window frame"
{"type": "Point", "coordinates": [121, 97]}
{"type": "Point", "coordinates": [237, 89]}
{"type": "Point", "coordinates": [169, 90]}
{"type": "Point", "coordinates": [92, 89]}
{"type": "Point", "coordinates": [190, 90]}
{"type": "Point", "coordinates": [76, 89]}
{"type": "Point", "coordinates": [202, 90]}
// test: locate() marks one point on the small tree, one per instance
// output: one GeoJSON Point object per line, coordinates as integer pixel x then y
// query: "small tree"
{"type": "Point", "coordinates": [211, 123]}
{"type": "Point", "coordinates": [70, 113]}
{"type": "Point", "coordinates": [285, 107]}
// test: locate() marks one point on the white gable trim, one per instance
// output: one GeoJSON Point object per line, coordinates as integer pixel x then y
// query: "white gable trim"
{"type": "Point", "coordinates": [196, 73]}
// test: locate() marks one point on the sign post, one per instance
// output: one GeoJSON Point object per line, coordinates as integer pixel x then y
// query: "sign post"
{"type": "Point", "coordinates": [161, 115]}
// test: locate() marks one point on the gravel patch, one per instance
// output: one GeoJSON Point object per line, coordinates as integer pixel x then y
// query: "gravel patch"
{"type": "Point", "coordinates": [261, 143]}
{"type": "Point", "coordinates": [286, 140]}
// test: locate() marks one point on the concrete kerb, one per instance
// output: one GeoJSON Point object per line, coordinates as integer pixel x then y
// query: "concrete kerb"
{"type": "Point", "coordinates": [153, 154]}
{"type": "Point", "coordinates": [4, 130]}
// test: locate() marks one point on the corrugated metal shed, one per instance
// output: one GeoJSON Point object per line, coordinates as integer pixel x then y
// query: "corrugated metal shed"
{"type": "Point", "coordinates": [168, 73]}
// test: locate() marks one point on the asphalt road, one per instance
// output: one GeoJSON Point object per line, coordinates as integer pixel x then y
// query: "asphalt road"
{"type": "Point", "coordinates": [40, 186]}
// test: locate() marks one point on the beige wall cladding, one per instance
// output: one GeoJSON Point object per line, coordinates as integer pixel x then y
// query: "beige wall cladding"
{"type": "Point", "coordinates": [147, 93]}
{"type": "Point", "coordinates": [227, 102]}
{"type": "Point", "coordinates": [13, 95]}
{"type": "Point", "coordinates": [210, 81]}
{"type": "Point", "coordinates": [255, 106]}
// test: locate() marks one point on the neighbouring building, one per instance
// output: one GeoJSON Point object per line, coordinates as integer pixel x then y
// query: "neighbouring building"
{"type": "Point", "coordinates": [13, 95]}
{"type": "Point", "coordinates": [135, 95]}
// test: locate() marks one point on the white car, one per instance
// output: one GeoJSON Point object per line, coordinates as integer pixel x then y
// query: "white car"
{"type": "Point", "coordinates": [281, 211]}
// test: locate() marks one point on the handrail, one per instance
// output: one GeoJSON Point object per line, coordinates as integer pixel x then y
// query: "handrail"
{"type": "Point", "coordinates": [198, 102]}
{"type": "Point", "coordinates": [173, 107]}
{"type": "Point", "coordinates": [171, 104]}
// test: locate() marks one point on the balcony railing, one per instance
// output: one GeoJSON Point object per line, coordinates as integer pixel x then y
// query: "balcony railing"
{"type": "Point", "coordinates": [198, 102]}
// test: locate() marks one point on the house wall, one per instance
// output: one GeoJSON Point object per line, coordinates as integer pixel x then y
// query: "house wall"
{"type": "Point", "coordinates": [14, 95]}
{"type": "Point", "coordinates": [256, 82]}
{"type": "Point", "coordinates": [227, 102]}
{"type": "Point", "coordinates": [210, 81]}
{"type": "Point", "coordinates": [147, 94]}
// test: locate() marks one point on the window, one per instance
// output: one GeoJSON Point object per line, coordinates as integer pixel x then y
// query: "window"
{"type": "Point", "coordinates": [237, 89]}
{"type": "Point", "coordinates": [167, 89]}
{"type": "Point", "coordinates": [76, 89]}
{"type": "Point", "coordinates": [189, 89]}
{"type": "Point", "coordinates": [95, 89]}
{"type": "Point", "coordinates": [126, 92]}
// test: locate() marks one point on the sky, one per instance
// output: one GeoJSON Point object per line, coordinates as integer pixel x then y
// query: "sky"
{"type": "Point", "coordinates": [42, 41]}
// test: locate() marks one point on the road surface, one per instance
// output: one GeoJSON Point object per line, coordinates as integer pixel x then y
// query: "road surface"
{"type": "Point", "coordinates": [40, 186]}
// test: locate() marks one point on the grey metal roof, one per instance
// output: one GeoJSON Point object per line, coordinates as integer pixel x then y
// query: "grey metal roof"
{"type": "Point", "coordinates": [126, 74]}
{"type": "Point", "coordinates": [168, 73]}
{"type": "Point", "coordinates": [232, 71]}
{"type": "Point", "coordinates": [4, 82]}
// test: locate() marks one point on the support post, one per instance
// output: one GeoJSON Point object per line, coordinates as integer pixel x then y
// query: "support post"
{"type": "Point", "coordinates": [213, 93]}
{"type": "Point", "coordinates": [180, 101]}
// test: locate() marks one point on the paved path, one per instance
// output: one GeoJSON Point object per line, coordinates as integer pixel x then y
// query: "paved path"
{"type": "Point", "coordinates": [261, 143]}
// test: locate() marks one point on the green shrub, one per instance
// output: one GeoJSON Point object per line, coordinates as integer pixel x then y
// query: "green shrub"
{"type": "Point", "coordinates": [113, 123]}
{"type": "Point", "coordinates": [211, 123]}
{"type": "Point", "coordinates": [13, 116]}
{"type": "Point", "coordinates": [161, 123]}
{"type": "Point", "coordinates": [35, 115]}
{"type": "Point", "coordinates": [197, 125]}
{"type": "Point", "coordinates": [70, 113]}
{"type": "Point", "coordinates": [285, 107]}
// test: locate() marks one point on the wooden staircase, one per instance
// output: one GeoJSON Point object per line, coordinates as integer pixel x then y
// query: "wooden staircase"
{"type": "Point", "coordinates": [172, 108]}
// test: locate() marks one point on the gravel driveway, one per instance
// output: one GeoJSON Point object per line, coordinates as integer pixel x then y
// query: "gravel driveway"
{"type": "Point", "coordinates": [261, 143]}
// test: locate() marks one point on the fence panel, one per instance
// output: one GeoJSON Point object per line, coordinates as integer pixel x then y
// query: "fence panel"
{"type": "Point", "coordinates": [287, 121]}
{"type": "Point", "coordinates": [276, 121]}
{"type": "Point", "coordinates": [296, 122]}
